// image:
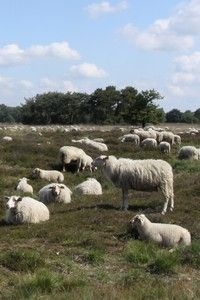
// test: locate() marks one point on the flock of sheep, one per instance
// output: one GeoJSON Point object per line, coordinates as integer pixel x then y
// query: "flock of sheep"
{"type": "Point", "coordinates": [124, 173]}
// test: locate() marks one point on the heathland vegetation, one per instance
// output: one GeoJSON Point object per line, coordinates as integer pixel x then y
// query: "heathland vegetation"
{"type": "Point", "coordinates": [87, 249]}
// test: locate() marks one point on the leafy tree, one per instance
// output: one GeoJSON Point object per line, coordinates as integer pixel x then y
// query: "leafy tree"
{"type": "Point", "coordinates": [197, 114]}
{"type": "Point", "coordinates": [188, 117]}
{"type": "Point", "coordinates": [174, 116]}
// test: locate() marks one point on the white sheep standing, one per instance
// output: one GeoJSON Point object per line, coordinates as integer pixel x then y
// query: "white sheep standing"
{"type": "Point", "coordinates": [188, 152]}
{"type": "Point", "coordinates": [141, 175]}
{"type": "Point", "coordinates": [49, 175]}
{"type": "Point", "coordinates": [67, 154]}
{"type": "Point", "coordinates": [86, 162]}
{"type": "Point", "coordinates": [55, 192]}
{"type": "Point", "coordinates": [177, 139]}
{"type": "Point", "coordinates": [168, 235]}
{"type": "Point", "coordinates": [24, 186]}
{"type": "Point", "coordinates": [89, 187]}
{"type": "Point", "coordinates": [149, 143]}
{"type": "Point", "coordinates": [164, 147]}
{"type": "Point", "coordinates": [25, 210]}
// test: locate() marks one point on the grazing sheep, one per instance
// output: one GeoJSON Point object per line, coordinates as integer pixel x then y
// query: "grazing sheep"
{"type": "Point", "coordinates": [89, 187]}
{"type": "Point", "coordinates": [167, 136]}
{"type": "Point", "coordinates": [55, 192]}
{"type": "Point", "coordinates": [130, 138]}
{"type": "Point", "coordinates": [177, 139]}
{"type": "Point", "coordinates": [141, 175]}
{"type": "Point", "coordinates": [86, 163]}
{"type": "Point", "coordinates": [49, 175]}
{"type": "Point", "coordinates": [25, 210]}
{"type": "Point", "coordinates": [149, 143]}
{"type": "Point", "coordinates": [144, 134]}
{"type": "Point", "coordinates": [67, 154]}
{"type": "Point", "coordinates": [168, 235]}
{"type": "Point", "coordinates": [188, 152]}
{"type": "Point", "coordinates": [24, 186]}
{"type": "Point", "coordinates": [164, 147]}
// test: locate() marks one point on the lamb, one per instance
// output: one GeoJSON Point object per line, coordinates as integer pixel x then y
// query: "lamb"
{"type": "Point", "coordinates": [164, 147]}
{"type": "Point", "coordinates": [24, 186]}
{"type": "Point", "coordinates": [86, 163]}
{"type": "Point", "coordinates": [89, 187]}
{"type": "Point", "coordinates": [142, 175]}
{"type": "Point", "coordinates": [55, 192]}
{"type": "Point", "coordinates": [49, 175]}
{"type": "Point", "coordinates": [130, 137]}
{"type": "Point", "coordinates": [67, 154]}
{"type": "Point", "coordinates": [167, 235]}
{"type": "Point", "coordinates": [149, 143]}
{"type": "Point", "coordinates": [188, 152]}
{"type": "Point", "coordinates": [25, 210]}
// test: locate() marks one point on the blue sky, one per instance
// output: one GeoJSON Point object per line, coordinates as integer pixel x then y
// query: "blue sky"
{"type": "Point", "coordinates": [62, 46]}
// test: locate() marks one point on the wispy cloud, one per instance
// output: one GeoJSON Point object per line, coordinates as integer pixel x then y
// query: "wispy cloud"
{"type": "Point", "coordinates": [12, 54]}
{"type": "Point", "coordinates": [95, 10]}
{"type": "Point", "coordinates": [178, 32]}
{"type": "Point", "coordinates": [87, 70]}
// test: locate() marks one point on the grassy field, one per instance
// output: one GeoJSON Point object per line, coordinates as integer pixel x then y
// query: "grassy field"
{"type": "Point", "coordinates": [87, 249]}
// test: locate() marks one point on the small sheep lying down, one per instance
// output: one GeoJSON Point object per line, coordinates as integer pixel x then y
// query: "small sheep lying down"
{"type": "Point", "coordinates": [55, 192]}
{"type": "Point", "coordinates": [49, 175]}
{"type": "Point", "coordinates": [89, 187]}
{"type": "Point", "coordinates": [168, 235]}
{"type": "Point", "coordinates": [24, 186]}
{"type": "Point", "coordinates": [25, 210]}
{"type": "Point", "coordinates": [140, 175]}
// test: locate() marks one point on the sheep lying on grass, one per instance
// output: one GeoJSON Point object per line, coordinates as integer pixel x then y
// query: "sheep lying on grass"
{"type": "Point", "coordinates": [188, 152]}
{"type": "Point", "coordinates": [92, 143]}
{"type": "Point", "coordinates": [168, 235]}
{"type": "Point", "coordinates": [49, 175]}
{"type": "Point", "coordinates": [141, 175]}
{"type": "Point", "coordinates": [89, 187]}
{"type": "Point", "coordinates": [25, 210]}
{"type": "Point", "coordinates": [55, 192]}
{"type": "Point", "coordinates": [24, 186]}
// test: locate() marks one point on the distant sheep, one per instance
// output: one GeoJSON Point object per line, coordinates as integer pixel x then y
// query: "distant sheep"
{"type": "Point", "coordinates": [24, 186]}
{"type": "Point", "coordinates": [7, 138]}
{"type": "Point", "coordinates": [177, 139]}
{"type": "Point", "coordinates": [49, 175]}
{"type": "Point", "coordinates": [167, 136]}
{"type": "Point", "coordinates": [164, 147]}
{"type": "Point", "coordinates": [55, 192]}
{"type": "Point", "coordinates": [25, 210]}
{"type": "Point", "coordinates": [92, 143]}
{"type": "Point", "coordinates": [188, 152]}
{"type": "Point", "coordinates": [168, 235]}
{"type": "Point", "coordinates": [89, 187]}
{"type": "Point", "coordinates": [149, 143]}
{"type": "Point", "coordinates": [141, 175]}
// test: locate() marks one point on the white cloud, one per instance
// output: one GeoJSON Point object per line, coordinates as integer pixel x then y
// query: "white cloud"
{"type": "Point", "coordinates": [178, 32]}
{"type": "Point", "coordinates": [13, 55]}
{"type": "Point", "coordinates": [188, 63]}
{"type": "Point", "coordinates": [97, 9]}
{"type": "Point", "coordinates": [26, 84]}
{"type": "Point", "coordinates": [87, 70]}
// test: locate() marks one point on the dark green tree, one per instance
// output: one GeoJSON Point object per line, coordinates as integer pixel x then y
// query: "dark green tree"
{"type": "Point", "coordinates": [174, 116]}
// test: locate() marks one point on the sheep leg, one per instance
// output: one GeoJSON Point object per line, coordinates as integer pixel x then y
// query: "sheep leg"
{"type": "Point", "coordinates": [124, 199]}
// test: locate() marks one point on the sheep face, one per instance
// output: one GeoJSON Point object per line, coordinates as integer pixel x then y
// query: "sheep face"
{"type": "Point", "coordinates": [12, 201]}
{"type": "Point", "coordinates": [138, 220]}
{"type": "Point", "coordinates": [99, 162]}
{"type": "Point", "coordinates": [36, 172]}
{"type": "Point", "coordinates": [56, 189]}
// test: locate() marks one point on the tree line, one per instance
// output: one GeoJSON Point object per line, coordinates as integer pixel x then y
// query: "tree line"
{"type": "Point", "coordinates": [103, 106]}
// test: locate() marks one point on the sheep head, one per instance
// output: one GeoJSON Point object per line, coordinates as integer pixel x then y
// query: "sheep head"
{"type": "Point", "coordinates": [12, 201]}
{"type": "Point", "coordinates": [138, 220]}
{"type": "Point", "coordinates": [99, 162]}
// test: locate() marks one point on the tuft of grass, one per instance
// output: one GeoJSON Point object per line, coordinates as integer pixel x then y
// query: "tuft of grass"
{"type": "Point", "coordinates": [165, 262]}
{"type": "Point", "coordinates": [191, 255]}
{"type": "Point", "coordinates": [138, 252]}
{"type": "Point", "coordinates": [22, 260]}
{"type": "Point", "coordinates": [95, 256]}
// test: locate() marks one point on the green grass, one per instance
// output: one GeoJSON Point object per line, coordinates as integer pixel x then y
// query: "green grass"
{"type": "Point", "coordinates": [86, 250]}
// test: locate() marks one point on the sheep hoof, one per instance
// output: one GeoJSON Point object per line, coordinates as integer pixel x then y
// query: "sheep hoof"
{"type": "Point", "coordinates": [171, 208]}
{"type": "Point", "coordinates": [163, 213]}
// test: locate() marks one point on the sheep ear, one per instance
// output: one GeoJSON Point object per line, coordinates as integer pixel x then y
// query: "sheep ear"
{"type": "Point", "coordinates": [106, 157]}
{"type": "Point", "coordinates": [61, 186]}
{"type": "Point", "coordinates": [18, 199]}
{"type": "Point", "coordinates": [6, 197]}
{"type": "Point", "coordinates": [50, 188]}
